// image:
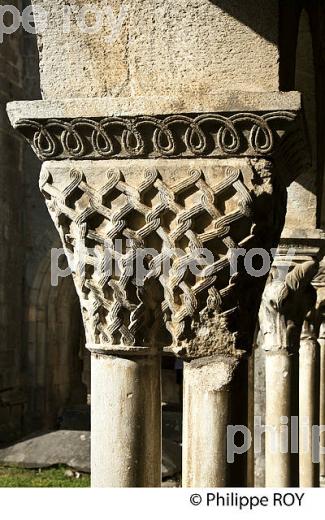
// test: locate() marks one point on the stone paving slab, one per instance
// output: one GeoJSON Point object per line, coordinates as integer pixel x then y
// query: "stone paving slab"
{"type": "Point", "coordinates": [72, 448]}
{"type": "Point", "coordinates": [68, 447]}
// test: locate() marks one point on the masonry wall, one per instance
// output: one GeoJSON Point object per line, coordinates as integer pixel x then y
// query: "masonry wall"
{"type": "Point", "coordinates": [51, 365]}
{"type": "Point", "coordinates": [12, 399]}
{"type": "Point", "coordinates": [160, 48]}
{"type": "Point", "coordinates": [40, 370]}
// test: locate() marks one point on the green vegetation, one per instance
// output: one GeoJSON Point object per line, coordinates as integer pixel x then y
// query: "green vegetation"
{"type": "Point", "coordinates": [51, 477]}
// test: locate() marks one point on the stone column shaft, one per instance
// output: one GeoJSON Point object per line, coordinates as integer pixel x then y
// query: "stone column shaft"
{"type": "Point", "coordinates": [321, 341]}
{"type": "Point", "coordinates": [207, 412]}
{"type": "Point", "coordinates": [278, 405]}
{"type": "Point", "coordinates": [125, 421]}
{"type": "Point", "coordinates": [308, 415]}
{"type": "Point", "coordinates": [286, 300]}
{"type": "Point", "coordinates": [308, 406]}
{"type": "Point", "coordinates": [250, 419]}
{"type": "Point", "coordinates": [319, 284]}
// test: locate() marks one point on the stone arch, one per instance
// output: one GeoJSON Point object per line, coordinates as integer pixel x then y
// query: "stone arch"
{"type": "Point", "coordinates": [299, 64]}
{"type": "Point", "coordinates": [316, 12]}
{"type": "Point", "coordinates": [298, 19]}
{"type": "Point", "coordinates": [57, 362]}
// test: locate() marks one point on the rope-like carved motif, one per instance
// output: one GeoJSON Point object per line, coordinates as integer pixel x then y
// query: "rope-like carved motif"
{"type": "Point", "coordinates": [111, 302]}
{"type": "Point", "coordinates": [213, 134]}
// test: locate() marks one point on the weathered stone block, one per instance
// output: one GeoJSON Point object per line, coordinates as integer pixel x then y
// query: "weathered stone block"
{"type": "Point", "coordinates": [151, 49]}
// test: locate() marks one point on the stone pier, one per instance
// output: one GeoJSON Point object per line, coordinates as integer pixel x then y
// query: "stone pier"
{"type": "Point", "coordinates": [152, 158]}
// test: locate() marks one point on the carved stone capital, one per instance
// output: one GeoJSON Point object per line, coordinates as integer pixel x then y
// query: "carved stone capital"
{"type": "Point", "coordinates": [160, 175]}
{"type": "Point", "coordinates": [309, 329]}
{"type": "Point", "coordinates": [237, 125]}
{"type": "Point", "coordinates": [150, 213]}
{"type": "Point", "coordinates": [285, 304]}
{"type": "Point", "coordinates": [177, 135]}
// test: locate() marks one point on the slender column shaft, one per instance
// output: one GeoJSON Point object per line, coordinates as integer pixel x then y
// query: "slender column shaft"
{"type": "Point", "coordinates": [308, 412]}
{"type": "Point", "coordinates": [259, 413]}
{"type": "Point", "coordinates": [250, 421]}
{"type": "Point", "coordinates": [278, 405]}
{"type": "Point", "coordinates": [286, 301]}
{"type": "Point", "coordinates": [206, 415]}
{"type": "Point", "coordinates": [321, 342]}
{"type": "Point", "coordinates": [125, 421]}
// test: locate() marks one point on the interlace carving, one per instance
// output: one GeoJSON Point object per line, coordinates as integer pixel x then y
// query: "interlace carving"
{"type": "Point", "coordinates": [210, 134]}
{"type": "Point", "coordinates": [187, 216]}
